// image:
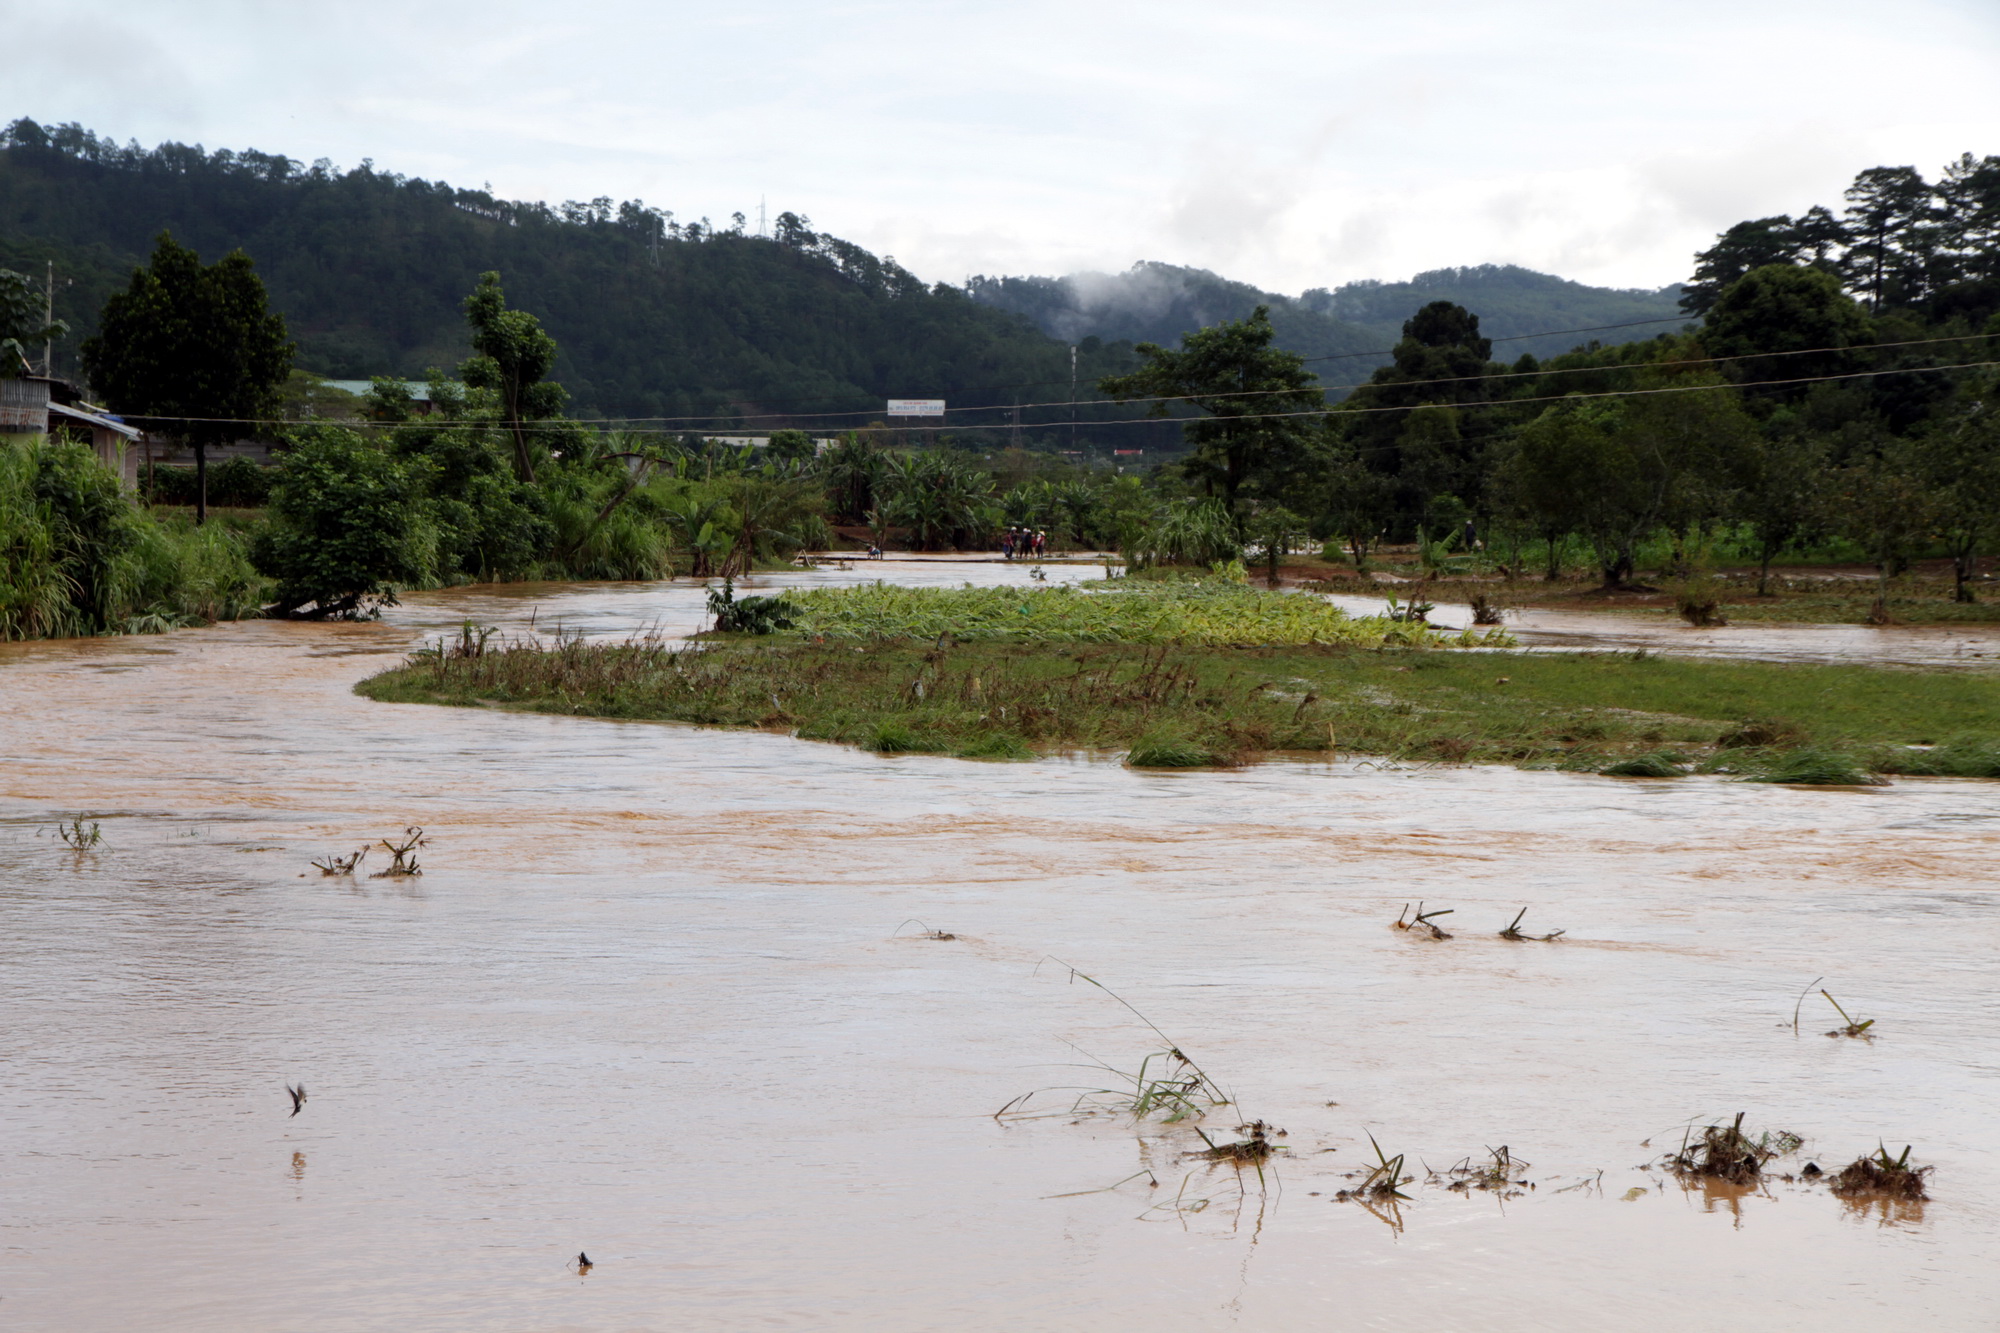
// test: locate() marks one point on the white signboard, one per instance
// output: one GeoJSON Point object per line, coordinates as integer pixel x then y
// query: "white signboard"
{"type": "Point", "coordinates": [916, 407]}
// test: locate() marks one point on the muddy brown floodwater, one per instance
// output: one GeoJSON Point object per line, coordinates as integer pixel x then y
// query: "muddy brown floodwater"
{"type": "Point", "coordinates": [649, 1001]}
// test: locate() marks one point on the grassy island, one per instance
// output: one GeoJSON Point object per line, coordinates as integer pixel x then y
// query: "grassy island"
{"type": "Point", "coordinates": [869, 667]}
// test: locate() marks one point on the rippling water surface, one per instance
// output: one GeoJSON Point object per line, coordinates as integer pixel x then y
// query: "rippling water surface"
{"type": "Point", "coordinates": [650, 1001]}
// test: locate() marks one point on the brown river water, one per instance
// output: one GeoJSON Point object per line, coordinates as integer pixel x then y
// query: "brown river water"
{"type": "Point", "coordinates": [649, 1001]}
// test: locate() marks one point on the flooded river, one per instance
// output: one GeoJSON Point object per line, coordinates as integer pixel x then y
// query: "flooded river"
{"type": "Point", "coordinates": [663, 995]}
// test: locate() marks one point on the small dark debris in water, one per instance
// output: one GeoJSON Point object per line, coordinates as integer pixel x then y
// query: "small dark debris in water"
{"type": "Point", "coordinates": [1725, 1152]}
{"type": "Point", "coordinates": [1811, 1170]}
{"type": "Point", "coordinates": [1422, 921]}
{"type": "Point", "coordinates": [340, 865]}
{"type": "Point", "coordinates": [583, 1264]}
{"type": "Point", "coordinates": [1496, 1173]}
{"type": "Point", "coordinates": [405, 854]}
{"type": "Point", "coordinates": [1255, 1146]}
{"type": "Point", "coordinates": [1514, 931]}
{"type": "Point", "coordinates": [928, 933]}
{"type": "Point", "coordinates": [1882, 1176]}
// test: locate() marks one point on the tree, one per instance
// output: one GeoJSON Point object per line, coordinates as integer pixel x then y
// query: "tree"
{"type": "Point", "coordinates": [514, 357]}
{"type": "Point", "coordinates": [1438, 446]}
{"type": "Point", "coordinates": [1772, 322]}
{"type": "Point", "coordinates": [1958, 463]}
{"type": "Point", "coordinates": [1780, 483]}
{"type": "Point", "coordinates": [23, 322]}
{"type": "Point", "coordinates": [349, 526]}
{"type": "Point", "coordinates": [1882, 504]}
{"type": "Point", "coordinates": [1246, 386]}
{"type": "Point", "coordinates": [851, 471]}
{"type": "Point", "coordinates": [1890, 218]}
{"type": "Point", "coordinates": [790, 449]}
{"type": "Point", "coordinates": [191, 351]}
{"type": "Point", "coordinates": [1547, 475]}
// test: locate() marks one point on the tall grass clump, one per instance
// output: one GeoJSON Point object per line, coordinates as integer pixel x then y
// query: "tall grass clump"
{"type": "Point", "coordinates": [78, 556]}
{"type": "Point", "coordinates": [1173, 749]}
{"type": "Point", "coordinates": [1816, 766]}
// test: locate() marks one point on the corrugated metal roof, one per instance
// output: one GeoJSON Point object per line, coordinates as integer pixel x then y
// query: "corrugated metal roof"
{"type": "Point", "coordinates": [92, 418]}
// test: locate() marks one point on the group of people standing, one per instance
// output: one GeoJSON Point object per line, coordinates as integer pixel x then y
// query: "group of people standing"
{"type": "Point", "coordinates": [1031, 543]}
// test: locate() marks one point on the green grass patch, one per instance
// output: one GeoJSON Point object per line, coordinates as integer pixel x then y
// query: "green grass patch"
{"type": "Point", "coordinates": [1207, 612]}
{"type": "Point", "coordinates": [1187, 705]}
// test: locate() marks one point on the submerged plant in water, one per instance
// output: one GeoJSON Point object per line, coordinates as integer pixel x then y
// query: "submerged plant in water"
{"type": "Point", "coordinates": [1383, 1181]}
{"type": "Point", "coordinates": [1167, 1084]}
{"type": "Point", "coordinates": [1514, 931]}
{"type": "Point", "coordinates": [1881, 1175]}
{"type": "Point", "coordinates": [1423, 923]}
{"type": "Point", "coordinates": [405, 854]}
{"type": "Point", "coordinates": [80, 836]}
{"type": "Point", "coordinates": [1853, 1028]}
{"type": "Point", "coordinates": [1725, 1152]}
{"type": "Point", "coordinates": [1496, 1173]}
{"type": "Point", "coordinates": [340, 865]}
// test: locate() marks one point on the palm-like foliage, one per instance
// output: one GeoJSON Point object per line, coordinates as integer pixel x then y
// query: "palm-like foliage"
{"type": "Point", "coordinates": [941, 500]}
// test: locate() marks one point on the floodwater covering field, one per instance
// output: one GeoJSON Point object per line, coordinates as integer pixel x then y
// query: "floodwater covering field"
{"type": "Point", "coordinates": [658, 997]}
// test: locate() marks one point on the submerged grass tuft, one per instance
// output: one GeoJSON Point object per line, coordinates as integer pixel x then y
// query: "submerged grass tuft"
{"type": "Point", "coordinates": [1654, 765]}
{"type": "Point", "coordinates": [1817, 766]}
{"type": "Point", "coordinates": [1725, 1152]}
{"type": "Point", "coordinates": [1881, 1175]}
{"type": "Point", "coordinates": [1172, 749]}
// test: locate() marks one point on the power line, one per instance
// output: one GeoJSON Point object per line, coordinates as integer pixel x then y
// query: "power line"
{"type": "Point", "coordinates": [1149, 420]}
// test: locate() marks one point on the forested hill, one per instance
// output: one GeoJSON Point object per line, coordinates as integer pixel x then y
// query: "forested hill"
{"type": "Point", "coordinates": [654, 318]}
{"type": "Point", "coordinates": [1157, 302]}
{"type": "Point", "coordinates": [657, 318]}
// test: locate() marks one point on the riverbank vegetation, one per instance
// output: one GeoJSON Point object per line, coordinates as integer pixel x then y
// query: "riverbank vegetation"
{"type": "Point", "coordinates": [1831, 404]}
{"type": "Point", "coordinates": [1189, 704]}
{"type": "Point", "coordinates": [78, 557]}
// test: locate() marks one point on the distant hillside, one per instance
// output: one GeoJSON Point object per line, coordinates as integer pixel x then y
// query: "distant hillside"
{"type": "Point", "coordinates": [661, 319]}
{"type": "Point", "coordinates": [654, 318]}
{"type": "Point", "coordinates": [1510, 301]}
{"type": "Point", "coordinates": [1158, 302]}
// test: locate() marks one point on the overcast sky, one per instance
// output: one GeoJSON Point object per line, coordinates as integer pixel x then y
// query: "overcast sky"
{"type": "Point", "coordinates": [1290, 145]}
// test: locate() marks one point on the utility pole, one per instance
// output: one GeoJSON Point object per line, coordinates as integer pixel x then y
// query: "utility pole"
{"type": "Point", "coordinates": [1072, 397]}
{"type": "Point", "coordinates": [48, 321]}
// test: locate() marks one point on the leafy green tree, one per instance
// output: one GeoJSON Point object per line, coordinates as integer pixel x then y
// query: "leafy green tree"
{"type": "Point", "coordinates": [350, 525]}
{"type": "Point", "coordinates": [938, 498]}
{"type": "Point", "coordinates": [1958, 463]}
{"type": "Point", "coordinates": [1438, 445]}
{"type": "Point", "coordinates": [1775, 317]}
{"type": "Point", "coordinates": [513, 358]}
{"type": "Point", "coordinates": [1881, 502]}
{"type": "Point", "coordinates": [1780, 480]}
{"type": "Point", "coordinates": [851, 470]}
{"type": "Point", "coordinates": [1355, 502]}
{"type": "Point", "coordinates": [24, 322]}
{"type": "Point", "coordinates": [1890, 217]}
{"type": "Point", "coordinates": [1548, 474]}
{"type": "Point", "coordinates": [191, 351]}
{"type": "Point", "coordinates": [790, 449]}
{"type": "Point", "coordinates": [1258, 401]}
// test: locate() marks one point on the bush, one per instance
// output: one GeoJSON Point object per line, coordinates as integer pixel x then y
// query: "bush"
{"type": "Point", "coordinates": [235, 483]}
{"type": "Point", "coordinates": [78, 556]}
{"type": "Point", "coordinates": [349, 526]}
